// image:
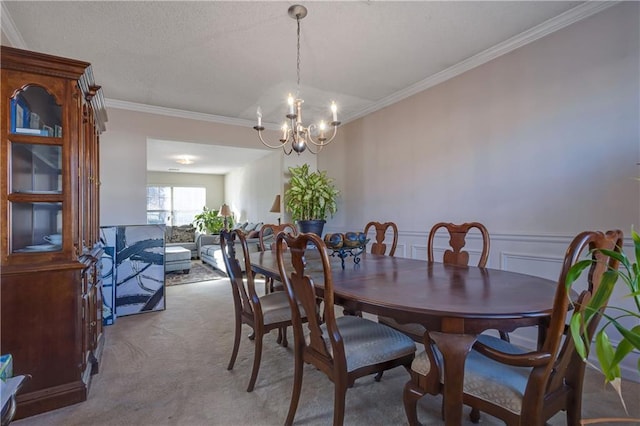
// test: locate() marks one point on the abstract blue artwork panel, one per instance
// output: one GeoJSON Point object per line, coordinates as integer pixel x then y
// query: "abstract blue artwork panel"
{"type": "Point", "coordinates": [133, 270]}
{"type": "Point", "coordinates": [108, 238]}
{"type": "Point", "coordinates": [139, 254]}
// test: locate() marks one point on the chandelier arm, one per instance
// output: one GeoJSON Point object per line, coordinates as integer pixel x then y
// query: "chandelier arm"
{"type": "Point", "coordinates": [309, 145]}
{"type": "Point", "coordinates": [326, 142]}
{"type": "Point", "coordinates": [282, 144]}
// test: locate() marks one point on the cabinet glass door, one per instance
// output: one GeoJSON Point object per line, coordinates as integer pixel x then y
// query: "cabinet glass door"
{"type": "Point", "coordinates": [36, 152]}
{"type": "Point", "coordinates": [35, 112]}
{"type": "Point", "coordinates": [36, 227]}
{"type": "Point", "coordinates": [36, 169]}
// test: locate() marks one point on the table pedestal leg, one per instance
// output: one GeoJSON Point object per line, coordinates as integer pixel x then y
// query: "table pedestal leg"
{"type": "Point", "coordinates": [454, 349]}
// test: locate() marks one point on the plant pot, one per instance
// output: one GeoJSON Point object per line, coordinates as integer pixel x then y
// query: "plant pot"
{"type": "Point", "coordinates": [314, 226]}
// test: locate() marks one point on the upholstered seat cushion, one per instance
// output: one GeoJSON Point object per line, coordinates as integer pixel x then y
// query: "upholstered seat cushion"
{"type": "Point", "coordinates": [485, 378]}
{"type": "Point", "coordinates": [275, 308]}
{"type": "Point", "coordinates": [410, 328]}
{"type": "Point", "coordinates": [367, 342]}
{"type": "Point", "coordinates": [493, 381]}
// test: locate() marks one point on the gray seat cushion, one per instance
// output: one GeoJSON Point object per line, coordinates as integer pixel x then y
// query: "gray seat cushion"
{"type": "Point", "coordinates": [275, 307]}
{"type": "Point", "coordinates": [367, 342]}
{"type": "Point", "coordinates": [410, 328]}
{"type": "Point", "coordinates": [496, 382]}
{"type": "Point", "coordinates": [486, 379]}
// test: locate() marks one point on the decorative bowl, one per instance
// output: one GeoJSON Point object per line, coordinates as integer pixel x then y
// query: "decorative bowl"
{"type": "Point", "coordinates": [351, 239]}
{"type": "Point", "coordinates": [362, 238]}
{"type": "Point", "coordinates": [334, 241]}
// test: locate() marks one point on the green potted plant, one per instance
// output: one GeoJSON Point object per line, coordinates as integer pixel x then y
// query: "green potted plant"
{"type": "Point", "coordinates": [208, 221]}
{"type": "Point", "coordinates": [610, 357]}
{"type": "Point", "coordinates": [310, 198]}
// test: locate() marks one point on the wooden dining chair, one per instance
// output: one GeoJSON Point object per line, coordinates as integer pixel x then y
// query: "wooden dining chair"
{"type": "Point", "coordinates": [453, 256]}
{"type": "Point", "coordinates": [344, 348]}
{"type": "Point", "coordinates": [269, 231]}
{"type": "Point", "coordinates": [457, 240]}
{"type": "Point", "coordinates": [261, 313]}
{"type": "Point", "coordinates": [379, 246]}
{"type": "Point", "coordinates": [525, 387]}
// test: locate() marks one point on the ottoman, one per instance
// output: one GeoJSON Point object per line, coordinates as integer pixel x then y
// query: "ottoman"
{"type": "Point", "coordinates": [177, 258]}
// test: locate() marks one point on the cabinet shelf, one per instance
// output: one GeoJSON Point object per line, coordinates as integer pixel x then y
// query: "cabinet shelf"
{"type": "Point", "coordinates": [28, 191]}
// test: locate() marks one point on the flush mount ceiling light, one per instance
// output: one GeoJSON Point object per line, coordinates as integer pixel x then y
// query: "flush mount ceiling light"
{"type": "Point", "coordinates": [184, 159]}
{"type": "Point", "coordinates": [295, 132]}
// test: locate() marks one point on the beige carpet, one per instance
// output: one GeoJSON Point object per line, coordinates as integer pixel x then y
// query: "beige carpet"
{"type": "Point", "coordinates": [169, 368]}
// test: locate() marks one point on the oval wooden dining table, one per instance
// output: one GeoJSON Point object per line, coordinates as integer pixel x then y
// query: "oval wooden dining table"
{"type": "Point", "coordinates": [454, 303]}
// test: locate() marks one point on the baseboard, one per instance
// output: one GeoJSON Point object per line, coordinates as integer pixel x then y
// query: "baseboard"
{"type": "Point", "coordinates": [40, 401]}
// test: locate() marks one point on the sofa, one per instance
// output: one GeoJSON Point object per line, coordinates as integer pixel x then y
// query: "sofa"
{"type": "Point", "coordinates": [184, 236]}
{"type": "Point", "coordinates": [210, 252]}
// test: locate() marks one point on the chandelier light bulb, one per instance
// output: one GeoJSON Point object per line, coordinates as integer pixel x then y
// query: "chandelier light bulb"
{"type": "Point", "coordinates": [322, 127]}
{"type": "Point", "coordinates": [290, 102]}
{"type": "Point", "coordinates": [259, 114]}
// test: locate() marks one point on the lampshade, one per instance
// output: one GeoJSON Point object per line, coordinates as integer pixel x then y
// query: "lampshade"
{"type": "Point", "coordinates": [275, 208]}
{"type": "Point", "coordinates": [224, 211]}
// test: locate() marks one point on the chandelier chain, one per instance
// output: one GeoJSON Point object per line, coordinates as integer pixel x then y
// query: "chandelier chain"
{"type": "Point", "coordinates": [298, 59]}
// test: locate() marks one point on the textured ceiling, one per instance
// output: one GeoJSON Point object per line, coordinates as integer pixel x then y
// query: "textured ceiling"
{"type": "Point", "coordinates": [228, 58]}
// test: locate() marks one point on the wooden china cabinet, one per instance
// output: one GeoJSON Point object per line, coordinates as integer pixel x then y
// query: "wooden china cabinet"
{"type": "Point", "coordinates": [51, 305]}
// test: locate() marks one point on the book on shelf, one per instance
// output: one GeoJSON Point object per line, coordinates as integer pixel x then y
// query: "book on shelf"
{"type": "Point", "coordinates": [25, 131]}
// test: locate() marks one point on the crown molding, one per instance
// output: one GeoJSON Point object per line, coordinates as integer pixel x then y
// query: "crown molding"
{"type": "Point", "coordinates": [179, 113]}
{"type": "Point", "coordinates": [556, 23]}
{"type": "Point", "coordinates": [10, 30]}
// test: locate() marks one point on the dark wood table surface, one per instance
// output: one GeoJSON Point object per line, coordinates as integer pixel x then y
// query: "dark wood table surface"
{"type": "Point", "coordinates": [454, 303]}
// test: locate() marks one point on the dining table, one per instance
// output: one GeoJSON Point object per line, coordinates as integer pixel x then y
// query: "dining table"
{"type": "Point", "coordinates": [454, 303]}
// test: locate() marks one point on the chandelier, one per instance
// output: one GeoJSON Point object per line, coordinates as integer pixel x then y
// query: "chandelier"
{"type": "Point", "coordinates": [293, 131]}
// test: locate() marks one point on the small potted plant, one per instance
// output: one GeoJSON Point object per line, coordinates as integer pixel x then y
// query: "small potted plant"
{"type": "Point", "coordinates": [310, 198]}
{"type": "Point", "coordinates": [610, 357]}
{"type": "Point", "coordinates": [208, 221]}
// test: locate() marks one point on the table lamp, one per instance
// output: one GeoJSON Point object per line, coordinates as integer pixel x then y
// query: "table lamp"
{"type": "Point", "coordinates": [275, 208]}
{"type": "Point", "coordinates": [225, 211]}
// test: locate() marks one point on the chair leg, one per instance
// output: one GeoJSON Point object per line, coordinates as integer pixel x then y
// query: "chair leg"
{"type": "Point", "coordinates": [282, 337]}
{"type": "Point", "coordinates": [297, 387]}
{"type": "Point", "coordinates": [410, 398]}
{"type": "Point", "coordinates": [236, 344]}
{"type": "Point", "coordinates": [257, 355]}
{"type": "Point", "coordinates": [339, 397]}
{"type": "Point", "coordinates": [574, 410]}
{"type": "Point", "coordinates": [474, 415]}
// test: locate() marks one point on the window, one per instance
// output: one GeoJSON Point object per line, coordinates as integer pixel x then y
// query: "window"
{"type": "Point", "coordinates": [174, 205]}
